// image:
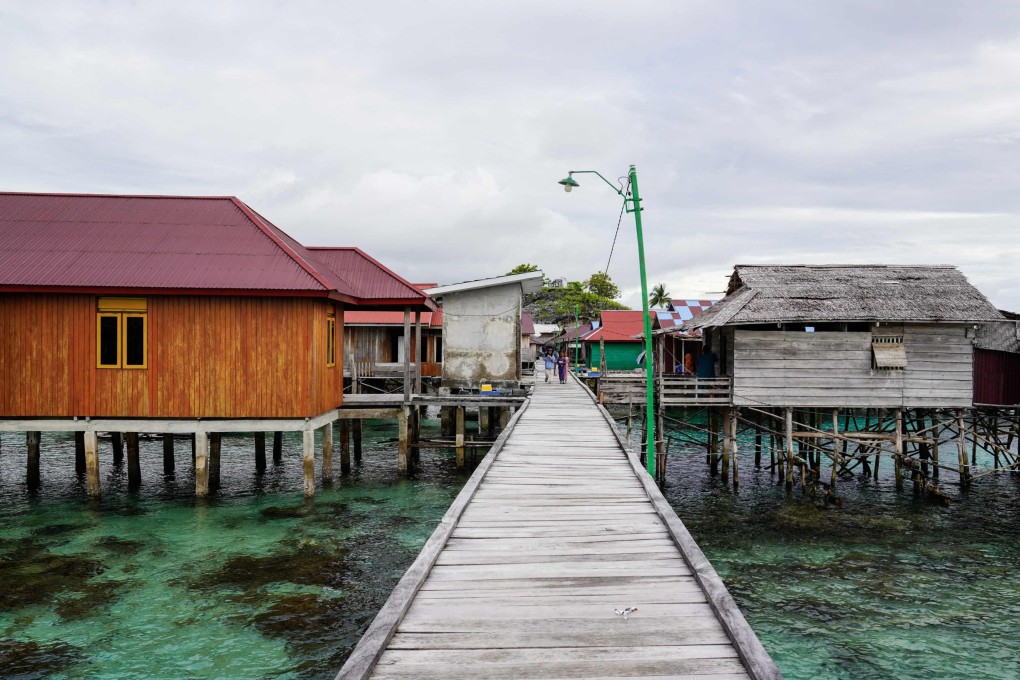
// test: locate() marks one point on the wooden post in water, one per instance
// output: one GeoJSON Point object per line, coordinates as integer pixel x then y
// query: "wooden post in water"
{"type": "Point", "coordinates": [789, 449]}
{"type": "Point", "coordinates": [459, 417]}
{"type": "Point", "coordinates": [92, 464]}
{"type": "Point", "coordinates": [356, 426]}
{"type": "Point", "coordinates": [134, 465]}
{"type": "Point", "coordinates": [727, 443]}
{"type": "Point", "coordinates": [484, 419]}
{"type": "Point", "coordinates": [168, 453]}
{"type": "Point", "coordinates": [277, 448]}
{"type": "Point", "coordinates": [308, 461]}
{"type": "Point", "coordinates": [260, 452]}
{"type": "Point", "coordinates": [79, 453]}
{"type": "Point", "coordinates": [961, 443]}
{"type": "Point", "coordinates": [215, 449]}
{"type": "Point", "coordinates": [878, 444]}
{"type": "Point", "coordinates": [32, 440]}
{"type": "Point", "coordinates": [630, 417]}
{"type": "Point", "coordinates": [734, 423]}
{"type": "Point", "coordinates": [504, 418]}
{"type": "Point", "coordinates": [201, 464]}
{"type": "Point", "coordinates": [446, 427]}
{"type": "Point", "coordinates": [117, 446]}
{"type": "Point", "coordinates": [192, 438]}
{"type": "Point", "coordinates": [345, 447]}
{"type": "Point", "coordinates": [935, 451]}
{"type": "Point", "coordinates": [835, 450]}
{"type": "Point", "coordinates": [660, 444]}
{"type": "Point", "coordinates": [327, 454]}
{"type": "Point", "coordinates": [402, 439]}
{"type": "Point", "coordinates": [897, 461]}
{"type": "Point", "coordinates": [757, 440]}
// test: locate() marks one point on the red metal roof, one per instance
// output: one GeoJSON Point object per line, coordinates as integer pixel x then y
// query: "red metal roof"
{"type": "Point", "coordinates": [527, 324]}
{"type": "Point", "coordinates": [173, 244]}
{"type": "Point", "coordinates": [618, 326]}
{"type": "Point", "coordinates": [366, 277]}
{"type": "Point", "coordinates": [362, 318]}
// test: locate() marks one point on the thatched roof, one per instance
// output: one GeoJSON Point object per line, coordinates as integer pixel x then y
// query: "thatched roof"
{"type": "Point", "coordinates": [761, 294]}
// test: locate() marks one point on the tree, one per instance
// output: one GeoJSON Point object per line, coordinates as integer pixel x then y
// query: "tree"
{"type": "Point", "coordinates": [522, 269]}
{"type": "Point", "coordinates": [600, 285]}
{"type": "Point", "coordinates": [659, 297]}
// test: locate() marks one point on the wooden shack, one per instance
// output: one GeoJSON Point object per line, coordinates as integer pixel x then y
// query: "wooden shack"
{"type": "Point", "coordinates": [482, 335]}
{"type": "Point", "coordinates": [618, 333]}
{"type": "Point", "coordinates": [172, 314]}
{"type": "Point", "coordinates": [847, 335]}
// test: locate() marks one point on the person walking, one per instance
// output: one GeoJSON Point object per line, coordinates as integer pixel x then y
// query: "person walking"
{"type": "Point", "coordinates": [550, 364]}
{"type": "Point", "coordinates": [562, 363]}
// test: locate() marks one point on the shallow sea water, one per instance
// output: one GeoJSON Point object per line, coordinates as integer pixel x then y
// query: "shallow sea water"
{"type": "Point", "coordinates": [885, 585]}
{"type": "Point", "coordinates": [253, 583]}
{"type": "Point", "coordinates": [256, 583]}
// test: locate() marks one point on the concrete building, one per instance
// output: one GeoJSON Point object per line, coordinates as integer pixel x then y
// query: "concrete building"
{"type": "Point", "coordinates": [482, 330]}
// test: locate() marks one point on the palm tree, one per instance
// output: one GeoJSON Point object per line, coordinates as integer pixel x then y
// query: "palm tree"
{"type": "Point", "coordinates": [659, 297]}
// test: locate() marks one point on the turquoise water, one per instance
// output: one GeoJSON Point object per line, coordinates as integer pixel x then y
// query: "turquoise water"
{"type": "Point", "coordinates": [253, 583]}
{"type": "Point", "coordinates": [257, 583]}
{"type": "Point", "coordinates": [886, 585]}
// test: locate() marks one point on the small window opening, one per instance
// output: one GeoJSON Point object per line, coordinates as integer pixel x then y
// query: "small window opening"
{"type": "Point", "coordinates": [888, 353]}
{"type": "Point", "coordinates": [330, 340]}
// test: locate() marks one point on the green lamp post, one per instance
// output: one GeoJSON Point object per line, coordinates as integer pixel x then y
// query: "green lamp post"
{"type": "Point", "coordinates": [577, 332]}
{"type": "Point", "coordinates": [633, 203]}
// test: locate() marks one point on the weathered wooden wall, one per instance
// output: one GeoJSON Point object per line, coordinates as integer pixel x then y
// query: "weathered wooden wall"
{"type": "Point", "coordinates": [208, 357]}
{"type": "Point", "coordinates": [482, 337]}
{"type": "Point", "coordinates": [778, 368]}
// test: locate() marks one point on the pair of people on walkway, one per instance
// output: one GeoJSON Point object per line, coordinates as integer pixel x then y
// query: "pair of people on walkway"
{"type": "Point", "coordinates": [556, 364]}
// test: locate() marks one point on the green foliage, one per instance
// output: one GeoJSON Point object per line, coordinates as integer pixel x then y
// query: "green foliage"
{"type": "Point", "coordinates": [601, 285]}
{"type": "Point", "coordinates": [522, 269]}
{"type": "Point", "coordinates": [557, 305]}
{"type": "Point", "coordinates": [659, 297]}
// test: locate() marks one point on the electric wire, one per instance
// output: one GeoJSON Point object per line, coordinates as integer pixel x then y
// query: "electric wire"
{"type": "Point", "coordinates": [619, 221]}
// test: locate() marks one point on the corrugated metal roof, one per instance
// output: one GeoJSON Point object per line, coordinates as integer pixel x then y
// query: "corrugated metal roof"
{"type": "Point", "coordinates": [804, 293]}
{"type": "Point", "coordinates": [180, 243]}
{"type": "Point", "coordinates": [618, 326]}
{"type": "Point", "coordinates": [527, 324]}
{"type": "Point", "coordinates": [356, 317]}
{"type": "Point", "coordinates": [367, 278]}
{"type": "Point", "coordinates": [682, 310]}
{"type": "Point", "coordinates": [142, 242]}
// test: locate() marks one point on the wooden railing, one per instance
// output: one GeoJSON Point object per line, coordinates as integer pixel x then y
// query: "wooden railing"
{"type": "Point", "coordinates": [629, 387]}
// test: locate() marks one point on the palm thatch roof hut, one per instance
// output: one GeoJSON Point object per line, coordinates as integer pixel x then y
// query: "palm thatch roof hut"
{"type": "Point", "coordinates": [847, 335]}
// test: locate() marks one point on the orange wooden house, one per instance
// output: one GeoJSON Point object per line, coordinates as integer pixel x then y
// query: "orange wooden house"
{"type": "Point", "coordinates": [115, 309]}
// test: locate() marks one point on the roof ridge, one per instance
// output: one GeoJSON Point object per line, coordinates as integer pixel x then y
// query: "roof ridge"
{"type": "Point", "coordinates": [89, 195]}
{"type": "Point", "coordinates": [377, 263]}
{"type": "Point", "coordinates": [264, 226]}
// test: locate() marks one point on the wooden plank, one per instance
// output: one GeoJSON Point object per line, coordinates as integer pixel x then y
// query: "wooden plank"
{"type": "Point", "coordinates": [704, 668]}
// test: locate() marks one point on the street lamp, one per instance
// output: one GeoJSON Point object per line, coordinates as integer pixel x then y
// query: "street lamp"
{"type": "Point", "coordinates": [633, 205]}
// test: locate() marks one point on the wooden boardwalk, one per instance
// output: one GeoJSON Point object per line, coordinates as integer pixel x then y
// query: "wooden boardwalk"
{"type": "Point", "coordinates": [557, 530]}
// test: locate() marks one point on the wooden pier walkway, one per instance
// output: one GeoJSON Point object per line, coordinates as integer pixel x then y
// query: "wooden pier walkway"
{"type": "Point", "coordinates": [558, 530]}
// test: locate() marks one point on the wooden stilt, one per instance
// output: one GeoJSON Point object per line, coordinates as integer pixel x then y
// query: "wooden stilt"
{"type": "Point", "coordinates": [168, 453]}
{"type": "Point", "coordinates": [734, 422]}
{"type": "Point", "coordinates": [92, 464]}
{"type": "Point", "coordinates": [961, 443]}
{"type": "Point", "coordinates": [79, 453]}
{"type": "Point", "coordinates": [215, 449]}
{"type": "Point", "coordinates": [192, 438]}
{"type": "Point", "coordinates": [459, 416]}
{"type": "Point", "coordinates": [32, 440]}
{"type": "Point", "coordinates": [446, 426]}
{"type": "Point", "coordinates": [935, 455]}
{"type": "Point", "coordinates": [660, 445]}
{"type": "Point", "coordinates": [327, 453]}
{"type": "Point", "coordinates": [345, 446]}
{"type": "Point", "coordinates": [878, 445]}
{"type": "Point", "coordinates": [277, 448]}
{"type": "Point", "coordinates": [504, 418]}
{"type": "Point", "coordinates": [201, 440]}
{"type": "Point", "coordinates": [897, 455]}
{"type": "Point", "coordinates": [260, 452]}
{"type": "Point", "coordinates": [757, 441]}
{"type": "Point", "coordinates": [402, 439]}
{"type": "Point", "coordinates": [356, 426]}
{"type": "Point", "coordinates": [117, 446]}
{"type": "Point", "coordinates": [789, 449]}
{"type": "Point", "coordinates": [835, 450]}
{"type": "Point", "coordinates": [308, 451]}
{"type": "Point", "coordinates": [727, 444]}
{"type": "Point", "coordinates": [133, 462]}
{"type": "Point", "coordinates": [484, 419]}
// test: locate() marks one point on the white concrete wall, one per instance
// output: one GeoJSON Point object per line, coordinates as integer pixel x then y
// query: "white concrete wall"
{"type": "Point", "coordinates": [482, 337]}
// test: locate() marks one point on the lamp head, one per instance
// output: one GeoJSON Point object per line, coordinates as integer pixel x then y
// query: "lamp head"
{"type": "Point", "coordinates": [568, 183]}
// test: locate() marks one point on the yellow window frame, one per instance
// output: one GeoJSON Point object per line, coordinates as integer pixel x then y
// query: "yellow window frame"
{"type": "Point", "coordinates": [122, 318]}
{"type": "Point", "coordinates": [330, 340]}
{"type": "Point", "coordinates": [145, 340]}
{"type": "Point", "coordinates": [99, 339]}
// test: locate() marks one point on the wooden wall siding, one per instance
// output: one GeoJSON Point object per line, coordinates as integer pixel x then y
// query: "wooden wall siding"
{"type": "Point", "coordinates": [209, 357]}
{"type": "Point", "coordinates": [778, 368]}
{"type": "Point", "coordinates": [47, 354]}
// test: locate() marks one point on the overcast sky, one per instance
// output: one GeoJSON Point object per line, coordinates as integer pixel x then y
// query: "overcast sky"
{"type": "Point", "coordinates": [432, 134]}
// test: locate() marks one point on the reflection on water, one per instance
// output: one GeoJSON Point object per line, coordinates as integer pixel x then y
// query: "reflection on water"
{"type": "Point", "coordinates": [254, 582]}
{"type": "Point", "coordinates": [886, 585]}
